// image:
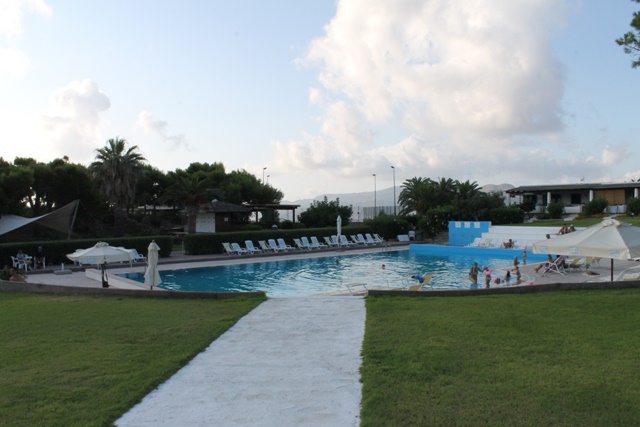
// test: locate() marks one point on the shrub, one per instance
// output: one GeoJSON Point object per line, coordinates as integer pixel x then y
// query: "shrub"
{"type": "Point", "coordinates": [388, 226]}
{"type": "Point", "coordinates": [555, 209]}
{"type": "Point", "coordinates": [595, 206]}
{"type": "Point", "coordinates": [633, 206]}
{"type": "Point", "coordinates": [503, 215]}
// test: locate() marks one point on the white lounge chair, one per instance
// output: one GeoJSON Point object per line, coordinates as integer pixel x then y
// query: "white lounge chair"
{"type": "Point", "coordinates": [557, 266]}
{"type": "Point", "coordinates": [344, 241]}
{"type": "Point", "coordinates": [299, 244]}
{"type": "Point", "coordinates": [361, 240]}
{"type": "Point", "coordinates": [316, 244]}
{"type": "Point", "coordinates": [370, 240]}
{"type": "Point", "coordinates": [274, 246]}
{"type": "Point", "coordinates": [264, 246]}
{"type": "Point", "coordinates": [137, 257]}
{"type": "Point", "coordinates": [283, 246]}
{"type": "Point", "coordinates": [329, 241]}
{"type": "Point", "coordinates": [306, 243]}
{"type": "Point", "coordinates": [377, 238]}
{"type": "Point", "coordinates": [238, 249]}
{"type": "Point", "coordinates": [250, 248]}
{"type": "Point", "coordinates": [227, 248]}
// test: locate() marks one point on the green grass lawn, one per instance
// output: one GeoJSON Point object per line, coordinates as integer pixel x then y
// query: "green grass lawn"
{"type": "Point", "coordinates": [84, 361]}
{"type": "Point", "coordinates": [548, 359]}
{"type": "Point", "coordinates": [561, 359]}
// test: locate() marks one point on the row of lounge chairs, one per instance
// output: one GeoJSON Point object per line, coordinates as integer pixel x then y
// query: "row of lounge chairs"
{"type": "Point", "coordinates": [303, 243]}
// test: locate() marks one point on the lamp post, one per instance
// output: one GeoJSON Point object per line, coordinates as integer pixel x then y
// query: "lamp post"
{"type": "Point", "coordinates": [263, 169]}
{"type": "Point", "coordinates": [394, 190]}
{"type": "Point", "coordinates": [268, 179]}
{"type": "Point", "coordinates": [375, 207]}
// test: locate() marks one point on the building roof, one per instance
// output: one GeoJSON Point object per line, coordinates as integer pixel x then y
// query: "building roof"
{"type": "Point", "coordinates": [224, 207]}
{"type": "Point", "coordinates": [569, 187]}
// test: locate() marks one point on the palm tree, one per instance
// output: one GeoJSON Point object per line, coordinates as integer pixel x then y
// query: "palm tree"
{"type": "Point", "coordinates": [418, 195]}
{"type": "Point", "coordinates": [466, 190]}
{"type": "Point", "coordinates": [116, 170]}
{"type": "Point", "coordinates": [190, 192]}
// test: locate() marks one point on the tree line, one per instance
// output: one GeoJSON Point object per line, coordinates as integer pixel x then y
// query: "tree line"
{"type": "Point", "coordinates": [119, 181]}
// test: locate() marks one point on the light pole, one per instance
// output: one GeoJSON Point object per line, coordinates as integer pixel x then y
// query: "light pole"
{"type": "Point", "coordinates": [268, 179]}
{"type": "Point", "coordinates": [375, 207]}
{"type": "Point", "coordinates": [394, 190]}
{"type": "Point", "coordinates": [263, 169]}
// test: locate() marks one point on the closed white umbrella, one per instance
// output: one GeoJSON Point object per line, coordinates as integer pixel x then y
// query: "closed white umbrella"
{"type": "Point", "coordinates": [152, 275]}
{"type": "Point", "coordinates": [608, 239]}
{"type": "Point", "coordinates": [339, 228]}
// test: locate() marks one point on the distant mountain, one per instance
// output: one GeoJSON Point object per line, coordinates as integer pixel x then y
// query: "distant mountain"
{"type": "Point", "coordinates": [383, 197]}
{"type": "Point", "coordinates": [492, 188]}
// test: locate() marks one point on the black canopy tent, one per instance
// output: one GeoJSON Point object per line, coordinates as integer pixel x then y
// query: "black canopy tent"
{"type": "Point", "coordinates": [60, 220]}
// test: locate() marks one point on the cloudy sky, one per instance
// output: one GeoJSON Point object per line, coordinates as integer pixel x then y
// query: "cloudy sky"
{"type": "Point", "coordinates": [326, 93]}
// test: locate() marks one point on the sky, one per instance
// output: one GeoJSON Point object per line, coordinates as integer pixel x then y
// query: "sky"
{"type": "Point", "coordinates": [325, 94]}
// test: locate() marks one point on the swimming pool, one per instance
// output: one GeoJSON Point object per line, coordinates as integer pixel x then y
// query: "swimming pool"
{"type": "Point", "coordinates": [337, 273]}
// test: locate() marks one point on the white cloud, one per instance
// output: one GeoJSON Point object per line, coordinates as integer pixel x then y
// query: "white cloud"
{"type": "Point", "coordinates": [75, 120]}
{"type": "Point", "coordinates": [13, 60]}
{"type": "Point", "coordinates": [159, 127]}
{"type": "Point", "coordinates": [467, 88]}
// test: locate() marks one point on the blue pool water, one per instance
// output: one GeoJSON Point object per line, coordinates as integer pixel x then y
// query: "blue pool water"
{"type": "Point", "coordinates": [335, 274]}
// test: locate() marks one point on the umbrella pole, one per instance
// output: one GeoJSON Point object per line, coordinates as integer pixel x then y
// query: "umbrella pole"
{"type": "Point", "coordinates": [105, 280]}
{"type": "Point", "coordinates": [612, 269]}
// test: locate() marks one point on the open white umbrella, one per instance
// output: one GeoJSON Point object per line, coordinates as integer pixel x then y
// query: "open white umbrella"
{"type": "Point", "coordinates": [101, 254]}
{"type": "Point", "coordinates": [608, 239]}
{"type": "Point", "coordinates": [339, 228]}
{"type": "Point", "coordinates": [152, 275]}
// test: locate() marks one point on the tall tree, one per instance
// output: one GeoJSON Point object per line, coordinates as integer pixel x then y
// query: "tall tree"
{"type": "Point", "coordinates": [116, 169]}
{"type": "Point", "coordinates": [631, 40]}
{"type": "Point", "coordinates": [189, 191]}
{"type": "Point", "coordinates": [418, 195]}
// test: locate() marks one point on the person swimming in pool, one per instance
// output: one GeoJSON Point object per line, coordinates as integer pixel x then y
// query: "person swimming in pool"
{"type": "Point", "coordinates": [473, 273]}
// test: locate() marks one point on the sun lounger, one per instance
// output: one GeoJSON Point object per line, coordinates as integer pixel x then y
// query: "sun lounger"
{"type": "Point", "coordinates": [238, 249]}
{"type": "Point", "coordinates": [264, 246]}
{"type": "Point", "coordinates": [300, 245]}
{"type": "Point", "coordinates": [250, 248]}
{"type": "Point", "coordinates": [344, 241]}
{"type": "Point", "coordinates": [557, 266]}
{"type": "Point", "coordinates": [227, 248]}
{"type": "Point", "coordinates": [283, 246]}
{"type": "Point", "coordinates": [274, 246]}
{"type": "Point", "coordinates": [306, 243]}
{"type": "Point", "coordinates": [361, 240]}
{"type": "Point", "coordinates": [421, 282]}
{"type": "Point", "coordinates": [329, 241]}
{"type": "Point", "coordinates": [316, 244]}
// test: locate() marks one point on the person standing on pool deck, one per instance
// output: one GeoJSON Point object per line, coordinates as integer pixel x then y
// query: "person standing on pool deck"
{"type": "Point", "coordinates": [473, 273]}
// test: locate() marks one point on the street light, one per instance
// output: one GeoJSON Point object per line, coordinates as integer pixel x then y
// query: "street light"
{"type": "Point", "coordinates": [268, 179]}
{"type": "Point", "coordinates": [375, 207]}
{"type": "Point", "coordinates": [263, 169]}
{"type": "Point", "coordinates": [394, 190]}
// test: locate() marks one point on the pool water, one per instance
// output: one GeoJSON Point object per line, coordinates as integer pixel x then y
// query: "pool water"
{"type": "Point", "coordinates": [333, 274]}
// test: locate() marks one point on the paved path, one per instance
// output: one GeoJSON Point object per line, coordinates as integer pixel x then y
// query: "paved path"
{"type": "Point", "coordinates": [290, 362]}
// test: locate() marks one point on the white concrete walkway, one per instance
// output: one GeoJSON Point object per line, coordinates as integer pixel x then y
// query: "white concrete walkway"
{"type": "Point", "coordinates": [290, 362]}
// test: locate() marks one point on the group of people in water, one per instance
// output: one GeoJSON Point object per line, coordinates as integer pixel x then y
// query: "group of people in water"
{"type": "Point", "coordinates": [508, 278]}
